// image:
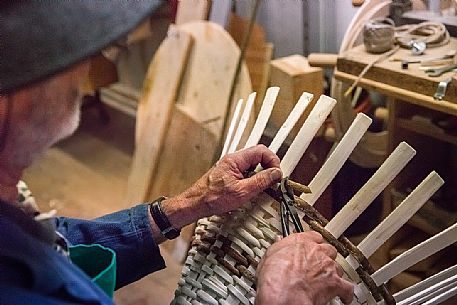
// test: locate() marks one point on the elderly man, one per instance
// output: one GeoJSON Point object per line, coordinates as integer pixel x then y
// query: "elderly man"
{"type": "Point", "coordinates": [46, 47]}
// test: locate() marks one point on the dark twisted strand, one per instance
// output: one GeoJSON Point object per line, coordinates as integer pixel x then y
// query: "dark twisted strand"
{"type": "Point", "coordinates": [344, 246]}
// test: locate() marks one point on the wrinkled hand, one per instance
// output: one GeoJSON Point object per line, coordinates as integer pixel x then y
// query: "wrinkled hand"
{"type": "Point", "coordinates": [301, 269]}
{"type": "Point", "coordinates": [224, 188]}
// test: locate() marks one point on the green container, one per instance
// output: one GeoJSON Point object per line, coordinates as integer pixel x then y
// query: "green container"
{"type": "Point", "coordinates": [98, 262]}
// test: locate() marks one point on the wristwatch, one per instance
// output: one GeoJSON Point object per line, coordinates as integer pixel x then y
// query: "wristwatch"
{"type": "Point", "coordinates": [165, 227]}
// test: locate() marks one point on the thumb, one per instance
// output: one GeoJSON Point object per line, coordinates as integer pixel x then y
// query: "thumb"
{"type": "Point", "coordinates": [345, 291]}
{"type": "Point", "coordinates": [261, 181]}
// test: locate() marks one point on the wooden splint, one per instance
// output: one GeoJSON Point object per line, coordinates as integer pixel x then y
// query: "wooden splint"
{"type": "Point", "coordinates": [221, 265]}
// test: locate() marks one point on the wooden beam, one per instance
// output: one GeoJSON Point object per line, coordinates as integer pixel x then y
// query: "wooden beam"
{"type": "Point", "coordinates": [155, 110]}
{"type": "Point", "coordinates": [323, 60]}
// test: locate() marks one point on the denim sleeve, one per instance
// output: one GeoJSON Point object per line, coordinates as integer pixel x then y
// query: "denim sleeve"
{"type": "Point", "coordinates": [126, 232]}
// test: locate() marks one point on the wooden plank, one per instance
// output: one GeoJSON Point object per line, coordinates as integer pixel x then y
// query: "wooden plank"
{"type": "Point", "coordinates": [371, 189]}
{"type": "Point", "coordinates": [258, 54]}
{"type": "Point", "coordinates": [205, 85]}
{"type": "Point", "coordinates": [243, 122]}
{"type": "Point", "coordinates": [178, 171]}
{"type": "Point", "coordinates": [192, 10]}
{"type": "Point", "coordinates": [404, 94]}
{"type": "Point", "coordinates": [154, 110]}
{"type": "Point", "coordinates": [323, 60]}
{"type": "Point", "coordinates": [337, 158]}
{"type": "Point", "coordinates": [390, 72]}
{"type": "Point", "coordinates": [263, 116]}
{"type": "Point", "coordinates": [416, 254]}
{"type": "Point", "coordinates": [306, 133]}
{"type": "Point", "coordinates": [294, 76]}
{"type": "Point", "coordinates": [427, 129]}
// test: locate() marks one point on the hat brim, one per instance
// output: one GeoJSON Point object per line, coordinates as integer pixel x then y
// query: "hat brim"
{"type": "Point", "coordinates": [41, 38]}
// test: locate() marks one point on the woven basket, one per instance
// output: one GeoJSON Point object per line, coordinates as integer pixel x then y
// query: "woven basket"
{"type": "Point", "coordinates": [221, 264]}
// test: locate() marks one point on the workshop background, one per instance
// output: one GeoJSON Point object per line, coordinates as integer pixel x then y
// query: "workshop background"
{"type": "Point", "coordinates": [293, 45]}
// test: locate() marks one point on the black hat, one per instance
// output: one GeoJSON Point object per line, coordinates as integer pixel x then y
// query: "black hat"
{"type": "Point", "coordinates": [39, 38]}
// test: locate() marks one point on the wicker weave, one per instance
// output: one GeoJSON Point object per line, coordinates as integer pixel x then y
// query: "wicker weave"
{"type": "Point", "coordinates": [221, 265]}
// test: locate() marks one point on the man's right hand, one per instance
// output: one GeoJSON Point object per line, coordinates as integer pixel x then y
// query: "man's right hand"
{"type": "Point", "coordinates": [301, 269]}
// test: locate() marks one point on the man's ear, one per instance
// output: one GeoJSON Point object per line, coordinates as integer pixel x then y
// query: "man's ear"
{"type": "Point", "coordinates": [5, 114]}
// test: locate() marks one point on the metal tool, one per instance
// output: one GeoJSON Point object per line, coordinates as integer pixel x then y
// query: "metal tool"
{"type": "Point", "coordinates": [441, 89]}
{"type": "Point", "coordinates": [439, 71]}
{"type": "Point", "coordinates": [418, 47]}
{"type": "Point", "coordinates": [287, 208]}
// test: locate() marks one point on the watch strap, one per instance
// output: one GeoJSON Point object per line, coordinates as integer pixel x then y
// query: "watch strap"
{"type": "Point", "coordinates": [165, 227]}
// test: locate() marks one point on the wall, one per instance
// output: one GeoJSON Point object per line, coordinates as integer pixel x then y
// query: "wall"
{"type": "Point", "coordinates": [302, 26]}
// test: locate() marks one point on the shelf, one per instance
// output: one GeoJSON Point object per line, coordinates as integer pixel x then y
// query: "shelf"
{"type": "Point", "coordinates": [427, 129]}
{"type": "Point", "coordinates": [430, 218]}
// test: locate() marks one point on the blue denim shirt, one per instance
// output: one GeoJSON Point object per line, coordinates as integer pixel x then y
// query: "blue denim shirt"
{"type": "Point", "coordinates": [32, 272]}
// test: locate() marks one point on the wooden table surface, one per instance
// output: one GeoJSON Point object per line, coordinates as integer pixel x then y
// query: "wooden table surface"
{"type": "Point", "coordinates": [412, 84]}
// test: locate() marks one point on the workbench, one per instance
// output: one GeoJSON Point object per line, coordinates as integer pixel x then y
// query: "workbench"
{"type": "Point", "coordinates": [411, 113]}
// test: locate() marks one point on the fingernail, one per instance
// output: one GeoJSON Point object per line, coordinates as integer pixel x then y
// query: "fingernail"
{"type": "Point", "coordinates": [276, 174]}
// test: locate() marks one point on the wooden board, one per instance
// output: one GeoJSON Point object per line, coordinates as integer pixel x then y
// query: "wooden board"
{"type": "Point", "coordinates": [176, 172]}
{"type": "Point", "coordinates": [201, 76]}
{"type": "Point", "coordinates": [206, 82]}
{"type": "Point", "coordinates": [390, 73]}
{"type": "Point", "coordinates": [192, 10]}
{"type": "Point", "coordinates": [294, 76]}
{"type": "Point", "coordinates": [154, 110]}
{"type": "Point", "coordinates": [196, 121]}
{"type": "Point", "coordinates": [258, 55]}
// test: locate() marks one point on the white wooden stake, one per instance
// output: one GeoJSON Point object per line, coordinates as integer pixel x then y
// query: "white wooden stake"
{"type": "Point", "coordinates": [442, 297]}
{"type": "Point", "coordinates": [301, 142]}
{"type": "Point", "coordinates": [290, 122]}
{"type": "Point", "coordinates": [426, 283]}
{"type": "Point", "coordinates": [401, 214]}
{"type": "Point", "coordinates": [430, 292]}
{"type": "Point", "coordinates": [374, 186]}
{"type": "Point", "coordinates": [336, 160]}
{"type": "Point", "coordinates": [416, 254]}
{"type": "Point", "coordinates": [243, 122]}
{"type": "Point", "coordinates": [262, 118]}
{"type": "Point", "coordinates": [236, 115]}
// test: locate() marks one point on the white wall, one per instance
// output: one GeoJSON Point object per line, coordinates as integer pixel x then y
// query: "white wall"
{"type": "Point", "coordinates": [302, 26]}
